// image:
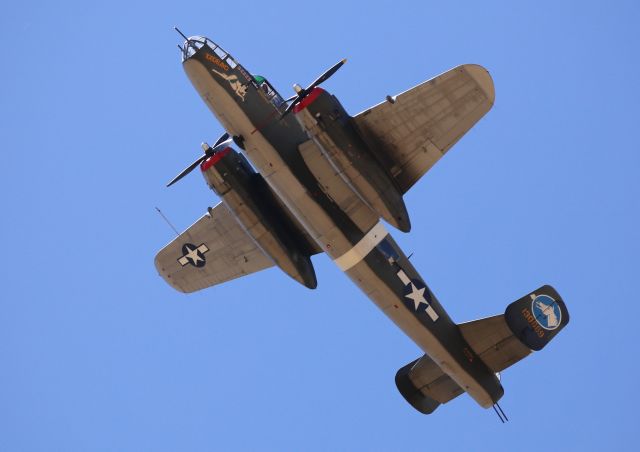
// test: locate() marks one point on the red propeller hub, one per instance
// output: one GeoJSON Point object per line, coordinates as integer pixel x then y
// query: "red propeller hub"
{"type": "Point", "coordinates": [308, 99]}
{"type": "Point", "coordinates": [215, 158]}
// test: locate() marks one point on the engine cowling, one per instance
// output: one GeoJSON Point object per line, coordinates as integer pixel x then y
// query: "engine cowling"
{"type": "Point", "coordinates": [249, 198]}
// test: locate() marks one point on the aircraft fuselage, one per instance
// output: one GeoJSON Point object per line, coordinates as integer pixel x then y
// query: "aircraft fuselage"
{"type": "Point", "coordinates": [336, 216]}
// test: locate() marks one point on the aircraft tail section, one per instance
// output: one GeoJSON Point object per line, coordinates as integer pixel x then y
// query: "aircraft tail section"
{"type": "Point", "coordinates": [536, 318]}
{"type": "Point", "coordinates": [500, 341]}
{"type": "Point", "coordinates": [527, 325]}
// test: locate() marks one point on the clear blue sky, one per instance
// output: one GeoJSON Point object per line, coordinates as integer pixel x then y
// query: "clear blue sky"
{"type": "Point", "coordinates": [97, 353]}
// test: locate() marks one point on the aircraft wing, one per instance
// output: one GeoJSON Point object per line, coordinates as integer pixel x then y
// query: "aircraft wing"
{"type": "Point", "coordinates": [213, 250]}
{"type": "Point", "coordinates": [410, 134]}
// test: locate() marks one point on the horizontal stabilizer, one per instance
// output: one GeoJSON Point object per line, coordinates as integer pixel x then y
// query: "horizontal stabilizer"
{"type": "Point", "coordinates": [493, 341]}
{"type": "Point", "coordinates": [527, 324]}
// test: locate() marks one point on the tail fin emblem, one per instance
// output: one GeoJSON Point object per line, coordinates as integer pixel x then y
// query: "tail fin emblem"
{"type": "Point", "coordinates": [546, 311]}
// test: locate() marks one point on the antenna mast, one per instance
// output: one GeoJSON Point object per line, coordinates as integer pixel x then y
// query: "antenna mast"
{"type": "Point", "coordinates": [168, 222]}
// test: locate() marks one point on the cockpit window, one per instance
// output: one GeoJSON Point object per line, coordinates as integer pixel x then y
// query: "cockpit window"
{"type": "Point", "coordinates": [195, 43]}
{"type": "Point", "coordinates": [190, 47]}
{"type": "Point", "coordinates": [269, 92]}
{"type": "Point", "coordinates": [221, 53]}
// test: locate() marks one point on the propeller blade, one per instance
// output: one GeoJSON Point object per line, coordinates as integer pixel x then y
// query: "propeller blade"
{"type": "Point", "coordinates": [297, 98]}
{"type": "Point", "coordinates": [223, 142]}
{"type": "Point", "coordinates": [332, 70]}
{"type": "Point", "coordinates": [188, 169]}
{"type": "Point", "coordinates": [302, 93]}
{"type": "Point", "coordinates": [224, 137]}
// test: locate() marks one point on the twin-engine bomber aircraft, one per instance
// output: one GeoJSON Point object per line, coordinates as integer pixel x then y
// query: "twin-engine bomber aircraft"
{"type": "Point", "coordinates": [324, 182]}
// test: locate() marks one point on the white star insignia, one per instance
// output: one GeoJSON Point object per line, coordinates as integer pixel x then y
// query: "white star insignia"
{"type": "Point", "coordinates": [193, 255]}
{"type": "Point", "coordinates": [417, 295]}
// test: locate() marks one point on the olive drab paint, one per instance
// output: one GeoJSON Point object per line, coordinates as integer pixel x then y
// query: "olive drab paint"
{"type": "Point", "coordinates": [320, 180]}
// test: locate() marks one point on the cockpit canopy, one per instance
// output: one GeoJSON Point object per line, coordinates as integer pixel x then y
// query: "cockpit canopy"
{"type": "Point", "coordinates": [195, 43]}
{"type": "Point", "coordinates": [269, 91]}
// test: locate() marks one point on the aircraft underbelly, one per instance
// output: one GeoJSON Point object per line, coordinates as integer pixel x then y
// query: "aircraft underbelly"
{"type": "Point", "coordinates": [263, 155]}
{"type": "Point", "coordinates": [384, 278]}
{"type": "Point", "coordinates": [387, 277]}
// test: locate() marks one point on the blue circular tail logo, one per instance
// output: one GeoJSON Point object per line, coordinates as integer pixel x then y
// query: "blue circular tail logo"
{"type": "Point", "coordinates": [546, 312]}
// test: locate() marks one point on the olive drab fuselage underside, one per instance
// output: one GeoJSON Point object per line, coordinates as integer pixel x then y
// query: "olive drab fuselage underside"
{"type": "Point", "coordinates": [350, 233]}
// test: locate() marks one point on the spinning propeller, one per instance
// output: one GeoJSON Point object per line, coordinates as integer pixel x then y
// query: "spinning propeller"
{"type": "Point", "coordinates": [223, 142]}
{"type": "Point", "coordinates": [303, 92]}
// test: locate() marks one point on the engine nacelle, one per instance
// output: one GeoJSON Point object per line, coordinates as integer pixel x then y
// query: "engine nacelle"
{"type": "Point", "coordinates": [328, 124]}
{"type": "Point", "coordinates": [248, 197]}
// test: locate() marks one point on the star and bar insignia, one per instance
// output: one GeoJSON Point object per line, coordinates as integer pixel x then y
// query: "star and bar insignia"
{"type": "Point", "coordinates": [417, 296]}
{"type": "Point", "coordinates": [193, 255]}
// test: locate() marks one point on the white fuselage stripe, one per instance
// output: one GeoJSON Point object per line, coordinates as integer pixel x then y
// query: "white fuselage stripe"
{"type": "Point", "coordinates": [362, 248]}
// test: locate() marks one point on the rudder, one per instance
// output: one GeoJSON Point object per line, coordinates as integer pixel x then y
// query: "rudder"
{"type": "Point", "coordinates": [412, 394]}
{"type": "Point", "coordinates": [536, 318]}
